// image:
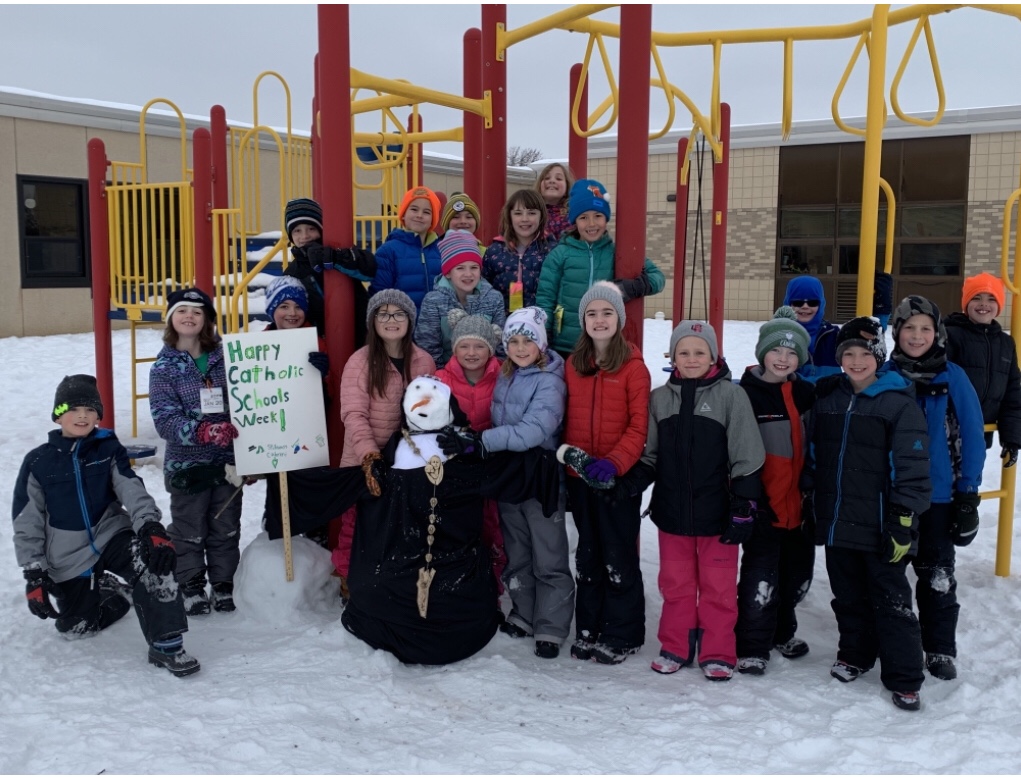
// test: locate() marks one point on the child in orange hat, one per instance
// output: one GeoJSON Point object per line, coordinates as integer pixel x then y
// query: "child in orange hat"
{"type": "Point", "coordinates": [976, 342]}
{"type": "Point", "coordinates": [409, 259]}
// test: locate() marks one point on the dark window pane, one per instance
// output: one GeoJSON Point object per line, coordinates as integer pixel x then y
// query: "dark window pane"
{"type": "Point", "coordinates": [814, 260]}
{"type": "Point", "coordinates": [847, 258]}
{"type": "Point", "coordinates": [808, 175]}
{"type": "Point", "coordinates": [930, 259]}
{"type": "Point", "coordinates": [54, 258]}
{"type": "Point", "coordinates": [935, 169]}
{"type": "Point", "coordinates": [933, 221]}
{"type": "Point", "coordinates": [852, 165]}
{"type": "Point", "coordinates": [806, 224]}
{"type": "Point", "coordinates": [850, 223]}
{"type": "Point", "coordinates": [53, 233]}
{"type": "Point", "coordinates": [53, 209]}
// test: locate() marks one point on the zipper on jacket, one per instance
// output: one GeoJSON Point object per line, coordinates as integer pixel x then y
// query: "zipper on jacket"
{"type": "Point", "coordinates": [840, 467]}
{"type": "Point", "coordinates": [81, 497]}
{"type": "Point", "coordinates": [591, 272]}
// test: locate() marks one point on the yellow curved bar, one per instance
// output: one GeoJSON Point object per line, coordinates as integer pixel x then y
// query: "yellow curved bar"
{"type": "Point", "coordinates": [418, 94]}
{"type": "Point", "coordinates": [142, 142]}
{"type": "Point", "coordinates": [787, 112]}
{"type": "Point", "coordinates": [891, 209]}
{"type": "Point", "coordinates": [552, 22]}
{"type": "Point", "coordinates": [699, 122]}
{"type": "Point", "coordinates": [666, 93]}
{"type": "Point", "coordinates": [614, 95]}
{"type": "Point", "coordinates": [714, 100]}
{"type": "Point", "coordinates": [255, 97]}
{"type": "Point", "coordinates": [1012, 284]}
{"type": "Point", "coordinates": [247, 141]}
{"type": "Point", "coordinates": [378, 103]}
{"type": "Point", "coordinates": [923, 23]}
{"type": "Point", "coordinates": [685, 169]}
{"type": "Point", "coordinates": [835, 103]}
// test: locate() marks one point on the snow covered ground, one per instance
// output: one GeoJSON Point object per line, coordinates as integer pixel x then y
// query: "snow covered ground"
{"type": "Point", "coordinates": [285, 689]}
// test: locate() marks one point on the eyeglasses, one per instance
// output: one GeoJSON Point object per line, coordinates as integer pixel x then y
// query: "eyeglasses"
{"type": "Point", "coordinates": [398, 316]}
{"type": "Point", "coordinates": [809, 303]}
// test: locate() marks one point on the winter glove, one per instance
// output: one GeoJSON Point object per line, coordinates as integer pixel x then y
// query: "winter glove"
{"type": "Point", "coordinates": [38, 586]}
{"type": "Point", "coordinates": [1009, 456]}
{"type": "Point", "coordinates": [157, 548]}
{"type": "Point", "coordinates": [354, 259]}
{"type": "Point", "coordinates": [965, 517]}
{"type": "Point", "coordinates": [461, 442]}
{"type": "Point", "coordinates": [633, 288]}
{"type": "Point", "coordinates": [808, 514]}
{"type": "Point", "coordinates": [898, 534]}
{"type": "Point", "coordinates": [320, 360]}
{"type": "Point", "coordinates": [742, 522]}
{"type": "Point", "coordinates": [579, 461]}
{"type": "Point", "coordinates": [221, 433]}
{"type": "Point", "coordinates": [372, 467]}
{"type": "Point", "coordinates": [601, 470]}
{"type": "Point", "coordinates": [630, 485]}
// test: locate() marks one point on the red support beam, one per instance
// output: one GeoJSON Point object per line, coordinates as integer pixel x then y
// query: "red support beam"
{"type": "Point", "coordinates": [336, 196]}
{"type": "Point", "coordinates": [577, 145]}
{"type": "Point", "coordinates": [473, 126]}
{"type": "Point", "coordinates": [99, 259]}
{"type": "Point", "coordinates": [718, 235]}
{"type": "Point", "coordinates": [202, 190]}
{"type": "Point", "coordinates": [680, 233]}
{"type": "Point", "coordinates": [633, 155]}
{"type": "Point", "coordinates": [221, 168]}
{"type": "Point", "coordinates": [494, 139]}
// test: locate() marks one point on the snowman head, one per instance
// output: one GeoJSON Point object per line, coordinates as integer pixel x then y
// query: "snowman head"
{"type": "Point", "coordinates": [428, 405]}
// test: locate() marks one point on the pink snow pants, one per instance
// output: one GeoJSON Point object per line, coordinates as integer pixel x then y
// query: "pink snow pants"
{"type": "Point", "coordinates": [698, 581]}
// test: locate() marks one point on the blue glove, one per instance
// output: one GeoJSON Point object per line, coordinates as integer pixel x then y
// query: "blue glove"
{"type": "Point", "coordinates": [601, 470]}
{"type": "Point", "coordinates": [320, 360]}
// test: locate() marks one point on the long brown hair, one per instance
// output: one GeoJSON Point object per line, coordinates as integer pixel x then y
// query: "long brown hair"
{"type": "Point", "coordinates": [208, 339]}
{"type": "Point", "coordinates": [568, 178]}
{"type": "Point", "coordinates": [584, 360]}
{"type": "Point", "coordinates": [379, 360]}
{"type": "Point", "coordinates": [528, 199]}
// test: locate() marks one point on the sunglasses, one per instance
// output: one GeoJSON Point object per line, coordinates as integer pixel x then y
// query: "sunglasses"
{"type": "Point", "coordinates": [809, 303]}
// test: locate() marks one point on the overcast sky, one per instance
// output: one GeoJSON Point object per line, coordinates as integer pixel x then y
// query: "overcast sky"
{"type": "Point", "coordinates": [200, 55]}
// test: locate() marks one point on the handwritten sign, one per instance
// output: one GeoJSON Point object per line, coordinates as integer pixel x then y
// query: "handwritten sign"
{"type": "Point", "coordinates": [276, 401]}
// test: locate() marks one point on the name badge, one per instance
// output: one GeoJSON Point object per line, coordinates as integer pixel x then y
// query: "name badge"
{"type": "Point", "coordinates": [211, 400]}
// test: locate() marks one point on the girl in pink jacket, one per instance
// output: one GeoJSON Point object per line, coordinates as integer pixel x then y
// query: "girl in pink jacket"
{"type": "Point", "coordinates": [371, 388]}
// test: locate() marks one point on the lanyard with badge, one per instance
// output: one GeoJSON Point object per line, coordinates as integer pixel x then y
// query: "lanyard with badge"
{"type": "Point", "coordinates": [210, 397]}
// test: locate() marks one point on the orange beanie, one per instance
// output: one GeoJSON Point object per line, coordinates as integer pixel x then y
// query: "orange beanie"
{"type": "Point", "coordinates": [983, 282]}
{"type": "Point", "coordinates": [424, 193]}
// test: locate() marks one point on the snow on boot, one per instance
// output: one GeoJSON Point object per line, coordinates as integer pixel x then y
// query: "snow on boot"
{"type": "Point", "coordinates": [179, 663]}
{"type": "Point", "coordinates": [751, 665]}
{"type": "Point", "coordinates": [667, 663]}
{"type": "Point", "coordinates": [611, 655]}
{"type": "Point", "coordinates": [793, 648]}
{"type": "Point", "coordinates": [223, 597]}
{"type": "Point", "coordinates": [582, 649]}
{"type": "Point", "coordinates": [546, 649]}
{"type": "Point", "coordinates": [907, 700]}
{"type": "Point", "coordinates": [196, 601]}
{"type": "Point", "coordinates": [578, 460]}
{"type": "Point", "coordinates": [846, 673]}
{"type": "Point", "coordinates": [941, 666]}
{"type": "Point", "coordinates": [717, 671]}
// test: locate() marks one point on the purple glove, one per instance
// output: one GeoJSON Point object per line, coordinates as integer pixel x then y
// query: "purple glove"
{"type": "Point", "coordinates": [601, 470]}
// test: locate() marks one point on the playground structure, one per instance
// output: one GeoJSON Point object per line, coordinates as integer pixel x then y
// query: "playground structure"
{"type": "Point", "coordinates": [135, 265]}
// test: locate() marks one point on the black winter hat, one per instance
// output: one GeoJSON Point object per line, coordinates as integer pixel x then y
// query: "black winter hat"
{"type": "Point", "coordinates": [76, 390]}
{"type": "Point", "coordinates": [302, 210]}
{"type": "Point", "coordinates": [196, 298]}
{"type": "Point", "coordinates": [865, 332]}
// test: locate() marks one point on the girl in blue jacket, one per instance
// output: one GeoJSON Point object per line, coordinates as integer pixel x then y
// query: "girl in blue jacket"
{"type": "Point", "coordinates": [956, 455]}
{"type": "Point", "coordinates": [409, 258]}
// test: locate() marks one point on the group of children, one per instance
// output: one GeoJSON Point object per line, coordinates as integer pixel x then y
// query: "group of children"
{"type": "Point", "coordinates": [823, 442]}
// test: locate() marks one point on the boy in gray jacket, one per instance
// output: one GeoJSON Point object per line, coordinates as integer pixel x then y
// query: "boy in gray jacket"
{"type": "Point", "coordinates": [81, 513]}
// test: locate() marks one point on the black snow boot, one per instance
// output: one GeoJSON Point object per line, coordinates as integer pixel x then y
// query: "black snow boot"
{"type": "Point", "coordinates": [196, 601]}
{"type": "Point", "coordinates": [223, 597]}
{"type": "Point", "coordinates": [179, 663]}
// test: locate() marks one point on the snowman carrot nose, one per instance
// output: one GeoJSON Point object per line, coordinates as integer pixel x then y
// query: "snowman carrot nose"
{"type": "Point", "coordinates": [423, 401]}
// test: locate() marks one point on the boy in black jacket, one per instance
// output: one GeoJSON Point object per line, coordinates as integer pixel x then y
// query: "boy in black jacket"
{"type": "Point", "coordinates": [80, 511]}
{"type": "Point", "coordinates": [869, 469]}
{"type": "Point", "coordinates": [976, 342]}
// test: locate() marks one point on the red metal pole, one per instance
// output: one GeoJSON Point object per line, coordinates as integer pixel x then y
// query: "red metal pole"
{"type": "Point", "coordinates": [99, 244]}
{"type": "Point", "coordinates": [221, 168]}
{"type": "Point", "coordinates": [414, 170]}
{"type": "Point", "coordinates": [202, 189]}
{"type": "Point", "coordinates": [680, 233]}
{"type": "Point", "coordinates": [473, 122]}
{"type": "Point", "coordinates": [577, 145]}
{"type": "Point", "coordinates": [337, 197]}
{"type": "Point", "coordinates": [494, 139]}
{"type": "Point", "coordinates": [633, 155]}
{"type": "Point", "coordinates": [718, 235]}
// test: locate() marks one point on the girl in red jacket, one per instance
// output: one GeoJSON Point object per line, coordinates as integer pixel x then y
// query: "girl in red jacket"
{"type": "Point", "coordinates": [608, 389]}
{"type": "Point", "coordinates": [471, 375]}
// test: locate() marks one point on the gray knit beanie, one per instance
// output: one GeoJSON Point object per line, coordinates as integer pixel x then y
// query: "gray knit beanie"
{"type": "Point", "coordinates": [478, 327]}
{"type": "Point", "coordinates": [784, 331]}
{"type": "Point", "coordinates": [695, 329]}
{"type": "Point", "coordinates": [391, 297]}
{"type": "Point", "coordinates": [603, 290]}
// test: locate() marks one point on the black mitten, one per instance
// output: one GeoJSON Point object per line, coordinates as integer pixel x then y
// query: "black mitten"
{"type": "Point", "coordinates": [965, 517]}
{"type": "Point", "coordinates": [1009, 455]}
{"type": "Point", "coordinates": [461, 442]}
{"type": "Point", "coordinates": [320, 360]}
{"type": "Point", "coordinates": [157, 548]}
{"type": "Point", "coordinates": [633, 288]}
{"type": "Point", "coordinates": [38, 586]}
{"type": "Point", "coordinates": [808, 514]}
{"type": "Point", "coordinates": [742, 522]}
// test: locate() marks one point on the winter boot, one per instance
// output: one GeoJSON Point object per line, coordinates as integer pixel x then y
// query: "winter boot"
{"type": "Point", "coordinates": [907, 700]}
{"type": "Point", "coordinates": [546, 649]}
{"type": "Point", "coordinates": [110, 584]}
{"type": "Point", "coordinates": [582, 649]}
{"type": "Point", "coordinates": [941, 666]}
{"type": "Point", "coordinates": [612, 655]}
{"type": "Point", "coordinates": [846, 673]}
{"type": "Point", "coordinates": [793, 648]}
{"type": "Point", "coordinates": [511, 629]}
{"type": "Point", "coordinates": [114, 600]}
{"type": "Point", "coordinates": [223, 597]}
{"type": "Point", "coordinates": [717, 671]}
{"type": "Point", "coordinates": [179, 663]}
{"type": "Point", "coordinates": [751, 665]}
{"type": "Point", "coordinates": [667, 663]}
{"type": "Point", "coordinates": [196, 601]}
{"type": "Point", "coordinates": [578, 460]}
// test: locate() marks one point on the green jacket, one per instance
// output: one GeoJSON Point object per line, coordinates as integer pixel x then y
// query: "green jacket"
{"type": "Point", "coordinates": [567, 273]}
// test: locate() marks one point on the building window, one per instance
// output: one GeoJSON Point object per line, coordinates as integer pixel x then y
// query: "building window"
{"type": "Point", "coordinates": [53, 229]}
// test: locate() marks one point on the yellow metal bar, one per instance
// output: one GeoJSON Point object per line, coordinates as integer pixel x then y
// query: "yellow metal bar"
{"type": "Point", "coordinates": [378, 103]}
{"type": "Point", "coordinates": [787, 112]}
{"type": "Point", "coordinates": [385, 138]}
{"type": "Point", "coordinates": [142, 144]}
{"type": "Point", "coordinates": [923, 24]}
{"type": "Point", "coordinates": [666, 93]}
{"type": "Point", "coordinates": [874, 121]}
{"type": "Point", "coordinates": [891, 209]}
{"type": "Point", "coordinates": [508, 38]}
{"type": "Point", "coordinates": [595, 40]}
{"type": "Point", "coordinates": [1010, 282]}
{"type": "Point", "coordinates": [285, 159]}
{"type": "Point", "coordinates": [699, 122]}
{"type": "Point", "coordinates": [714, 100]}
{"type": "Point", "coordinates": [835, 102]}
{"type": "Point", "coordinates": [1008, 476]}
{"type": "Point", "coordinates": [420, 94]}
